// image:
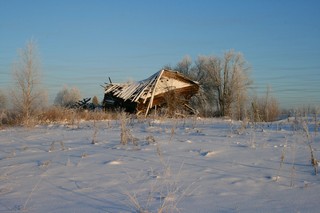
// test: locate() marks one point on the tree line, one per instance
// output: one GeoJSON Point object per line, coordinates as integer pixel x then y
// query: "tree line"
{"type": "Point", "coordinates": [225, 83]}
{"type": "Point", "coordinates": [226, 86]}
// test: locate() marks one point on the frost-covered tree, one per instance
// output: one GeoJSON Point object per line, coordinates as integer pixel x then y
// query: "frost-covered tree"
{"type": "Point", "coordinates": [95, 101]}
{"type": "Point", "coordinates": [28, 97]}
{"type": "Point", "coordinates": [3, 101]}
{"type": "Point", "coordinates": [224, 83]}
{"type": "Point", "coordinates": [67, 97]}
{"type": "Point", "coordinates": [185, 66]}
{"type": "Point", "coordinates": [226, 79]}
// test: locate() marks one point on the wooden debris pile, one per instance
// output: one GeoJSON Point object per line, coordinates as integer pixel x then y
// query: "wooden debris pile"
{"type": "Point", "coordinates": [146, 94]}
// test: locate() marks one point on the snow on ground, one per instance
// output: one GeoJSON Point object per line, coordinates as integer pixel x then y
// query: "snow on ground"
{"type": "Point", "coordinates": [186, 165]}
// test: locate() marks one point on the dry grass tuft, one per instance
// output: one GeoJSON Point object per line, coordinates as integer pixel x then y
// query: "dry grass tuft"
{"type": "Point", "coordinates": [264, 109]}
{"type": "Point", "coordinates": [9, 118]}
{"type": "Point", "coordinates": [61, 114]}
{"type": "Point", "coordinates": [54, 114]}
{"type": "Point", "coordinates": [125, 134]}
{"type": "Point", "coordinates": [314, 161]}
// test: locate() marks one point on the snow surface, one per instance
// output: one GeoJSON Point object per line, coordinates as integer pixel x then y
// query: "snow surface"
{"type": "Point", "coordinates": [185, 165]}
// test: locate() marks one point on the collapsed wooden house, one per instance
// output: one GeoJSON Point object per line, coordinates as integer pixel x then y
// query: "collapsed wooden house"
{"type": "Point", "coordinates": [154, 91]}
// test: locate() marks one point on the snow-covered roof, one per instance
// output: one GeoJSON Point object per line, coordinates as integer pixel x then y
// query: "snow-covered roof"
{"type": "Point", "coordinates": [132, 90]}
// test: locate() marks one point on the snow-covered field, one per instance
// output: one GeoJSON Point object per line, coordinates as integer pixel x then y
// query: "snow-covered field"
{"type": "Point", "coordinates": [185, 165]}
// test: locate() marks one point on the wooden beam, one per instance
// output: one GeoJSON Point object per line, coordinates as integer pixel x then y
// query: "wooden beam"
{"type": "Point", "coordinates": [153, 91]}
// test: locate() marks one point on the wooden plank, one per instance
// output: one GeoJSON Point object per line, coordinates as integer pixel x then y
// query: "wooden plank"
{"type": "Point", "coordinates": [153, 91]}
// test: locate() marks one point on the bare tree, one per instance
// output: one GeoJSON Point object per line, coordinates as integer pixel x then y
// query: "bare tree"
{"type": "Point", "coordinates": [3, 106]}
{"type": "Point", "coordinates": [204, 69]}
{"type": "Point", "coordinates": [67, 97]}
{"type": "Point", "coordinates": [240, 82]}
{"type": "Point", "coordinates": [3, 101]}
{"type": "Point", "coordinates": [95, 101]}
{"type": "Point", "coordinates": [226, 80]}
{"type": "Point", "coordinates": [185, 66]}
{"type": "Point", "coordinates": [28, 95]}
{"type": "Point", "coordinates": [224, 83]}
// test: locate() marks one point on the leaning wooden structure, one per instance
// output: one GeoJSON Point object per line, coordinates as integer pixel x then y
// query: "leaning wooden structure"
{"type": "Point", "coordinates": [143, 95]}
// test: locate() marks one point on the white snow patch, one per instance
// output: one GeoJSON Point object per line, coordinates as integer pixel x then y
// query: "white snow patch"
{"type": "Point", "coordinates": [206, 168]}
{"type": "Point", "coordinates": [114, 162]}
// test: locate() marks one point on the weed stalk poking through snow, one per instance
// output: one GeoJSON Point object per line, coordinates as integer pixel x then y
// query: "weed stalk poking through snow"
{"type": "Point", "coordinates": [95, 132]}
{"type": "Point", "coordinates": [293, 168]}
{"type": "Point", "coordinates": [314, 161]}
{"type": "Point", "coordinates": [173, 128]}
{"type": "Point", "coordinates": [283, 154]}
{"type": "Point", "coordinates": [316, 124]}
{"type": "Point", "coordinates": [124, 130]}
{"type": "Point", "coordinates": [165, 189]}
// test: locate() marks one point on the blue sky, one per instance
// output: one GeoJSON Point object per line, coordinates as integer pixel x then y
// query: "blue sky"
{"type": "Point", "coordinates": [81, 43]}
